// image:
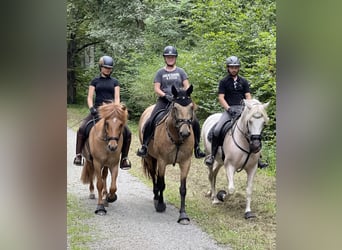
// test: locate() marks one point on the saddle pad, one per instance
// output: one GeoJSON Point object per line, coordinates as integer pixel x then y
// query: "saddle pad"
{"type": "Point", "coordinates": [89, 125]}
{"type": "Point", "coordinates": [223, 132]}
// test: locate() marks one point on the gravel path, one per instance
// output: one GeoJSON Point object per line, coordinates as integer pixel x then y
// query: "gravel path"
{"type": "Point", "coordinates": [131, 222]}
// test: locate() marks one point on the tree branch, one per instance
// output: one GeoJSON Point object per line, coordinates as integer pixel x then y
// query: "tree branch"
{"type": "Point", "coordinates": [86, 45]}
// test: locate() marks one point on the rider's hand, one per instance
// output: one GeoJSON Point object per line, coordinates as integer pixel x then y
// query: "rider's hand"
{"type": "Point", "coordinates": [93, 111]}
{"type": "Point", "coordinates": [168, 97]}
{"type": "Point", "coordinates": [231, 112]}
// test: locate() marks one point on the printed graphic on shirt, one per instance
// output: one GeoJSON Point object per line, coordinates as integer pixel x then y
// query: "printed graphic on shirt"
{"type": "Point", "coordinates": [171, 76]}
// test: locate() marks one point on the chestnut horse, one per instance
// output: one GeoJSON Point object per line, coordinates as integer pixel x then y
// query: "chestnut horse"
{"type": "Point", "coordinates": [102, 153]}
{"type": "Point", "coordinates": [240, 150]}
{"type": "Point", "coordinates": [173, 142]}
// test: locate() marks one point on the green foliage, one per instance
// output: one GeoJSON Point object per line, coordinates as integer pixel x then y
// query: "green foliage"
{"type": "Point", "coordinates": [205, 32]}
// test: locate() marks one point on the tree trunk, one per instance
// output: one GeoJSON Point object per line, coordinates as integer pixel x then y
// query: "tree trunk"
{"type": "Point", "coordinates": [71, 75]}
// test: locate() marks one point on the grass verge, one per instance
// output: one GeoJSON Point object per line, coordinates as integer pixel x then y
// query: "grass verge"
{"type": "Point", "coordinates": [224, 222]}
{"type": "Point", "coordinates": [78, 232]}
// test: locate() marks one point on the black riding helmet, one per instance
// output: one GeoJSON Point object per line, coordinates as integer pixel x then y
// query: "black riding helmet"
{"type": "Point", "coordinates": [106, 61]}
{"type": "Point", "coordinates": [170, 51]}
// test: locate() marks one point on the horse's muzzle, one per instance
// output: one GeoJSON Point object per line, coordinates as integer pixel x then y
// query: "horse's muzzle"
{"type": "Point", "coordinates": [255, 144]}
{"type": "Point", "coordinates": [112, 146]}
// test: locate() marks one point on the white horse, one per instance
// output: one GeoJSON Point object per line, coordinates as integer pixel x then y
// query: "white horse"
{"type": "Point", "coordinates": [240, 150]}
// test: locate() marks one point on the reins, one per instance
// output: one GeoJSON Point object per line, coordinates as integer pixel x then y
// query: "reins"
{"type": "Point", "coordinates": [242, 149]}
{"type": "Point", "coordinates": [177, 143]}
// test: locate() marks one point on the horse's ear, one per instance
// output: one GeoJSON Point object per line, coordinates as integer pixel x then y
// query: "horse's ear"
{"type": "Point", "coordinates": [174, 91]}
{"type": "Point", "coordinates": [189, 90]}
{"type": "Point", "coordinates": [265, 105]}
{"type": "Point", "coordinates": [247, 103]}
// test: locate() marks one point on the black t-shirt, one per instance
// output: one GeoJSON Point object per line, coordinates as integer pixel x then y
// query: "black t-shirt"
{"type": "Point", "coordinates": [234, 92]}
{"type": "Point", "coordinates": [104, 89]}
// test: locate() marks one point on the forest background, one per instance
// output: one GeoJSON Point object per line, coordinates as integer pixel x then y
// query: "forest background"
{"type": "Point", "coordinates": [205, 33]}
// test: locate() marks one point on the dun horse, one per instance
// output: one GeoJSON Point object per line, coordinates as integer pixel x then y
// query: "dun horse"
{"type": "Point", "coordinates": [102, 153]}
{"type": "Point", "coordinates": [173, 142]}
{"type": "Point", "coordinates": [240, 150]}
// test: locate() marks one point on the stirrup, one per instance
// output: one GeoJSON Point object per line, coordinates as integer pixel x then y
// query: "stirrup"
{"type": "Point", "coordinates": [78, 160]}
{"type": "Point", "coordinates": [209, 161]}
{"type": "Point", "coordinates": [142, 152]}
{"type": "Point", "coordinates": [262, 165]}
{"type": "Point", "coordinates": [125, 164]}
{"type": "Point", "coordinates": [198, 153]}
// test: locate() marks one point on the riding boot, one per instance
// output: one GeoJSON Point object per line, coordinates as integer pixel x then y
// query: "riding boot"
{"type": "Point", "coordinates": [261, 164]}
{"type": "Point", "coordinates": [197, 134]}
{"type": "Point", "coordinates": [80, 139]}
{"type": "Point", "coordinates": [125, 164]}
{"type": "Point", "coordinates": [142, 152]}
{"type": "Point", "coordinates": [209, 161]}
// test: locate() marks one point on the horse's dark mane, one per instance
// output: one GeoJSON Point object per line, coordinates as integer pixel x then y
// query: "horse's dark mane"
{"type": "Point", "coordinates": [109, 110]}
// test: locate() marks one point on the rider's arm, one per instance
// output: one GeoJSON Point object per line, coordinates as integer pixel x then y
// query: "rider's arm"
{"type": "Point", "coordinates": [223, 102]}
{"type": "Point", "coordinates": [117, 94]}
{"type": "Point", "coordinates": [90, 98]}
{"type": "Point", "coordinates": [248, 95]}
{"type": "Point", "coordinates": [157, 89]}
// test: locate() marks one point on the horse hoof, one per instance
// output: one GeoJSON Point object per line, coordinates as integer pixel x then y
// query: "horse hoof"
{"type": "Point", "coordinates": [208, 194]}
{"type": "Point", "coordinates": [183, 219]}
{"type": "Point", "coordinates": [221, 195]}
{"type": "Point", "coordinates": [112, 199]}
{"type": "Point", "coordinates": [160, 207]}
{"type": "Point", "coordinates": [92, 196]}
{"type": "Point", "coordinates": [100, 210]}
{"type": "Point", "coordinates": [216, 201]}
{"type": "Point", "coordinates": [249, 215]}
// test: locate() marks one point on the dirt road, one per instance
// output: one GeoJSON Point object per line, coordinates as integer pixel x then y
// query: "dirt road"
{"type": "Point", "coordinates": [131, 222]}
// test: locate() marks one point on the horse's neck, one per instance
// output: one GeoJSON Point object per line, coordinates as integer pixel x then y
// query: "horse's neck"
{"type": "Point", "coordinates": [240, 128]}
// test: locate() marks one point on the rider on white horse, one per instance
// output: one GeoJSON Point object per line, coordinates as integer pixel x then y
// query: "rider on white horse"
{"type": "Point", "coordinates": [231, 91]}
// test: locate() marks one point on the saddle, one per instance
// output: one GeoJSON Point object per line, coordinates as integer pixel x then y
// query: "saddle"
{"type": "Point", "coordinates": [157, 119]}
{"type": "Point", "coordinates": [224, 130]}
{"type": "Point", "coordinates": [89, 125]}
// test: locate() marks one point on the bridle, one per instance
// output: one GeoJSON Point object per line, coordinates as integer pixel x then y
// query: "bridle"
{"type": "Point", "coordinates": [106, 138]}
{"type": "Point", "coordinates": [249, 138]}
{"type": "Point", "coordinates": [178, 124]}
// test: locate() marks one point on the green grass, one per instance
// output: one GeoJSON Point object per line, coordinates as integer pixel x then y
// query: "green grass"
{"type": "Point", "coordinates": [224, 222]}
{"type": "Point", "coordinates": [78, 231]}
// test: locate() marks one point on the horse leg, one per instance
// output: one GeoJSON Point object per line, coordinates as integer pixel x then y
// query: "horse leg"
{"type": "Point", "coordinates": [159, 204]}
{"type": "Point", "coordinates": [250, 177]}
{"type": "Point", "coordinates": [111, 197]}
{"type": "Point", "coordinates": [100, 210]}
{"type": "Point", "coordinates": [91, 190]}
{"type": "Point", "coordinates": [90, 168]}
{"type": "Point", "coordinates": [212, 179]}
{"type": "Point", "coordinates": [183, 217]}
{"type": "Point", "coordinates": [230, 178]}
{"type": "Point", "coordinates": [104, 189]}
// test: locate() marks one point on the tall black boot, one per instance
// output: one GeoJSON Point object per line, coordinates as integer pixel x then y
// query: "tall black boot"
{"type": "Point", "coordinates": [214, 147]}
{"type": "Point", "coordinates": [125, 164]}
{"type": "Point", "coordinates": [80, 140]}
{"type": "Point", "coordinates": [197, 134]}
{"type": "Point", "coordinates": [142, 152]}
